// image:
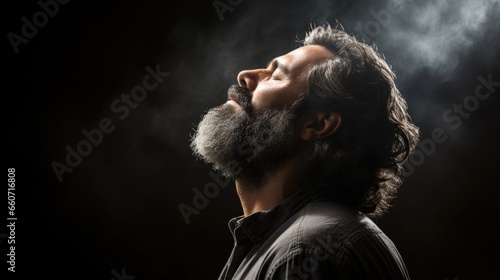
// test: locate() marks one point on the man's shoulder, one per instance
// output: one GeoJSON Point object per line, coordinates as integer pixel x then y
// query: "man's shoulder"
{"type": "Point", "coordinates": [323, 221]}
{"type": "Point", "coordinates": [325, 225]}
{"type": "Point", "coordinates": [327, 217]}
{"type": "Point", "coordinates": [336, 238]}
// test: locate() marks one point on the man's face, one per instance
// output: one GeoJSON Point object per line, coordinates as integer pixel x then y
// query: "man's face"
{"type": "Point", "coordinates": [253, 133]}
{"type": "Point", "coordinates": [282, 82]}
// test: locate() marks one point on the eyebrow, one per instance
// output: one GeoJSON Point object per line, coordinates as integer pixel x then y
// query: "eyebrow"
{"type": "Point", "coordinates": [277, 64]}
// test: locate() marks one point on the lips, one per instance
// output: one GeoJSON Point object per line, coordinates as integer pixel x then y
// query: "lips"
{"type": "Point", "coordinates": [233, 98]}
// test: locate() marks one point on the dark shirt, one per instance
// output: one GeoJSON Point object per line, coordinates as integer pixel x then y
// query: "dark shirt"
{"type": "Point", "coordinates": [309, 236]}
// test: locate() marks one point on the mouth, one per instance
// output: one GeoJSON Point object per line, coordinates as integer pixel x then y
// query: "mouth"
{"type": "Point", "coordinates": [240, 97]}
{"type": "Point", "coordinates": [233, 102]}
{"type": "Point", "coordinates": [233, 99]}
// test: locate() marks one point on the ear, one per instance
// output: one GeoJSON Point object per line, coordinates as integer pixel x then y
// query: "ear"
{"type": "Point", "coordinates": [319, 125]}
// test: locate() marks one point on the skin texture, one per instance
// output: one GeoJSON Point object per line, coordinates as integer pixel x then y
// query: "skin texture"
{"type": "Point", "coordinates": [284, 79]}
{"type": "Point", "coordinates": [279, 85]}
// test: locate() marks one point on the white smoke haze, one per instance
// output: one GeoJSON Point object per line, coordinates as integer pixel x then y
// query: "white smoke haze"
{"type": "Point", "coordinates": [119, 204]}
{"type": "Point", "coordinates": [435, 34]}
{"type": "Point", "coordinates": [426, 41]}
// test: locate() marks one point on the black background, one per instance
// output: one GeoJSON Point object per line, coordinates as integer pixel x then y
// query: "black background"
{"type": "Point", "coordinates": [117, 212]}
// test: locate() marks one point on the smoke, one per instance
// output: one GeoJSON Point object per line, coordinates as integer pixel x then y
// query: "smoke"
{"type": "Point", "coordinates": [428, 44]}
{"type": "Point", "coordinates": [436, 34]}
{"type": "Point", "coordinates": [66, 78]}
{"type": "Point", "coordinates": [425, 40]}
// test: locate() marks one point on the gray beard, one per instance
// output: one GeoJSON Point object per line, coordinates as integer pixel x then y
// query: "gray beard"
{"type": "Point", "coordinates": [247, 146]}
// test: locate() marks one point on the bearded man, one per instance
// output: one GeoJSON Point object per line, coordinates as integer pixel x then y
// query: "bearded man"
{"type": "Point", "coordinates": [315, 143]}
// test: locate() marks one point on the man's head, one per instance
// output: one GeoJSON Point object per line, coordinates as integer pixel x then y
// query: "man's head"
{"type": "Point", "coordinates": [253, 134]}
{"type": "Point", "coordinates": [332, 102]}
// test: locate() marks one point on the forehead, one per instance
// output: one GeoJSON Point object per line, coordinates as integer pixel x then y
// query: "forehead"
{"type": "Point", "coordinates": [304, 58]}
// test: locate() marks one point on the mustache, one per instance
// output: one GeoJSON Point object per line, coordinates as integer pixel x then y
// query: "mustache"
{"type": "Point", "coordinates": [240, 95]}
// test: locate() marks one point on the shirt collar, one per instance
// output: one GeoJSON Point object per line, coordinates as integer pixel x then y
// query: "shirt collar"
{"type": "Point", "coordinates": [258, 226]}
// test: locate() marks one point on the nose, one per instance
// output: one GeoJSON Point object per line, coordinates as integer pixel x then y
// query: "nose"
{"type": "Point", "coordinates": [249, 78]}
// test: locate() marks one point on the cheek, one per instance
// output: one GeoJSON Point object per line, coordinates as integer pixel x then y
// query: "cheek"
{"type": "Point", "coordinates": [276, 97]}
{"type": "Point", "coordinates": [265, 100]}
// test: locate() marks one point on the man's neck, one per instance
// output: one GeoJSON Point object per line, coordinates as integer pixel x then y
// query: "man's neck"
{"type": "Point", "coordinates": [286, 181]}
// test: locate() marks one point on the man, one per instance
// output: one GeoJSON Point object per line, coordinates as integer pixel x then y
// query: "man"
{"type": "Point", "coordinates": [315, 143]}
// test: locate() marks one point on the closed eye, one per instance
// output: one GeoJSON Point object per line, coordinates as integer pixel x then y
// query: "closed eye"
{"type": "Point", "coordinates": [273, 65]}
{"type": "Point", "coordinates": [274, 68]}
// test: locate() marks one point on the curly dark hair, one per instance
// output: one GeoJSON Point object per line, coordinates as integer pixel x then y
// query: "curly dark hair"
{"type": "Point", "coordinates": [362, 162]}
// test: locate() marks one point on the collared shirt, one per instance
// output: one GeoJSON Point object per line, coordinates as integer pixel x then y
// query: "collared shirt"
{"type": "Point", "coordinates": [310, 236]}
